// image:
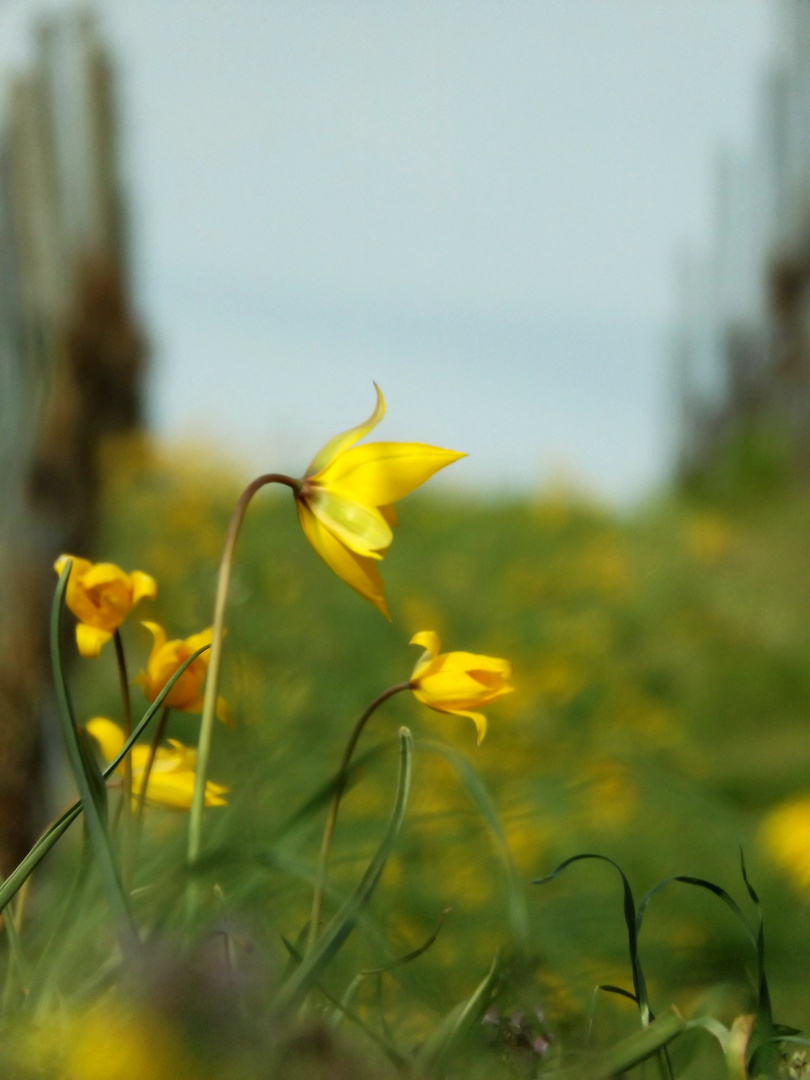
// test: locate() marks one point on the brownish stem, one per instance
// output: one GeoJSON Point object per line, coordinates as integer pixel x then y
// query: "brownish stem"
{"type": "Point", "coordinates": [331, 821]}
{"type": "Point", "coordinates": [215, 661]}
{"type": "Point", "coordinates": [150, 761]}
{"type": "Point", "coordinates": [126, 713]}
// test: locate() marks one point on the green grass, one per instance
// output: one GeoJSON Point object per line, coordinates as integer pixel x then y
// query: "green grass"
{"type": "Point", "coordinates": [662, 666]}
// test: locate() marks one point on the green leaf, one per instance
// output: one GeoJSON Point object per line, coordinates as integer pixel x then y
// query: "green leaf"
{"type": "Point", "coordinates": [631, 921]}
{"type": "Point", "coordinates": [295, 988]}
{"type": "Point", "coordinates": [18, 876]}
{"type": "Point", "coordinates": [93, 804]}
{"type": "Point", "coordinates": [438, 1047]}
{"type": "Point", "coordinates": [476, 789]}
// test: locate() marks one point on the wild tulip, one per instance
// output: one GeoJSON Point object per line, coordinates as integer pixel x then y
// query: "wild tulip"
{"type": "Point", "coordinates": [458, 682]}
{"type": "Point", "coordinates": [166, 657]}
{"type": "Point", "coordinates": [101, 595]}
{"type": "Point", "coordinates": [172, 774]}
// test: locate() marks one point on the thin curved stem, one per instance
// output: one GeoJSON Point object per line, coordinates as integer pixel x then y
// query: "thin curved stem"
{"type": "Point", "coordinates": [214, 664]}
{"type": "Point", "coordinates": [126, 715]}
{"type": "Point", "coordinates": [150, 761]}
{"type": "Point", "coordinates": [331, 821]}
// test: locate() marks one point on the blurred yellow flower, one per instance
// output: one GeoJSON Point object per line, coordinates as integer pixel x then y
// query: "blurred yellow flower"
{"type": "Point", "coordinates": [786, 835]}
{"type": "Point", "coordinates": [457, 682]}
{"type": "Point", "coordinates": [345, 500]}
{"type": "Point", "coordinates": [165, 658]}
{"type": "Point", "coordinates": [101, 596]}
{"type": "Point", "coordinates": [171, 779]}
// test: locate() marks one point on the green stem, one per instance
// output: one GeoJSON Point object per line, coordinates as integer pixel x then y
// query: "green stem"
{"type": "Point", "coordinates": [150, 761]}
{"type": "Point", "coordinates": [331, 821]}
{"type": "Point", "coordinates": [214, 664]}
{"type": "Point", "coordinates": [126, 714]}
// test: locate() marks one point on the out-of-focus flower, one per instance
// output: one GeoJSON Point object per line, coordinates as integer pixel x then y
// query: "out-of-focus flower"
{"type": "Point", "coordinates": [786, 836]}
{"type": "Point", "coordinates": [345, 500]}
{"type": "Point", "coordinates": [458, 682]}
{"type": "Point", "coordinates": [171, 779]}
{"type": "Point", "coordinates": [101, 596]}
{"type": "Point", "coordinates": [187, 694]}
{"type": "Point", "coordinates": [112, 1041]}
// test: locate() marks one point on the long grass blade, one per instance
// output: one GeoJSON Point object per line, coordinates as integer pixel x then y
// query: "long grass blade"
{"type": "Point", "coordinates": [16, 879]}
{"type": "Point", "coordinates": [93, 803]}
{"type": "Point", "coordinates": [338, 929]}
{"type": "Point", "coordinates": [476, 790]}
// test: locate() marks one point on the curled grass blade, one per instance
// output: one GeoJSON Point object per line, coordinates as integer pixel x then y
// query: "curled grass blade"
{"type": "Point", "coordinates": [93, 802]}
{"type": "Point", "coordinates": [308, 973]}
{"type": "Point", "coordinates": [476, 790]}
{"type": "Point", "coordinates": [24, 869]}
{"type": "Point", "coordinates": [631, 922]}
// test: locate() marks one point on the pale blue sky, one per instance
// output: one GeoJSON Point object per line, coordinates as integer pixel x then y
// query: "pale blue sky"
{"type": "Point", "coordinates": [478, 204]}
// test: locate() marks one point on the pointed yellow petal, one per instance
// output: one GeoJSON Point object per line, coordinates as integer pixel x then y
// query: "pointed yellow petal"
{"type": "Point", "coordinates": [359, 574]}
{"type": "Point", "coordinates": [79, 567]}
{"type": "Point", "coordinates": [196, 641]}
{"type": "Point", "coordinates": [362, 529]}
{"type": "Point", "coordinates": [90, 639]}
{"type": "Point", "coordinates": [108, 735]}
{"type": "Point", "coordinates": [429, 640]}
{"type": "Point", "coordinates": [478, 719]}
{"type": "Point", "coordinates": [157, 632]}
{"type": "Point", "coordinates": [376, 474]}
{"type": "Point", "coordinates": [347, 438]}
{"type": "Point", "coordinates": [105, 573]}
{"type": "Point", "coordinates": [142, 586]}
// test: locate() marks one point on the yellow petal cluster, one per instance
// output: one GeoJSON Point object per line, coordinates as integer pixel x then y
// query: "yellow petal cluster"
{"type": "Point", "coordinates": [346, 496]}
{"type": "Point", "coordinates": [166, 657]}
{"type": "Point", "coordinates": [171, 780]}
{"type": "Point", "coordinates": [101, 595]}
{"type": "Point", "coordinates": [458, 682]}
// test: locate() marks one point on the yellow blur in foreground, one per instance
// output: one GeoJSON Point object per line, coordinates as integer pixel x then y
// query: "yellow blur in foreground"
{"type": "Point", "coordinates": [458, 682]}
{"type": "Point", "coordinates": [101, 595]}
{"type": "Point", "coordinates": [166, 657]}
{"type": "Point", "coordinates": [113, 1041]}
{"type": "Point", "coordinates": [345, 500]}
{"type": "Point", "coordinates": [171, 779]}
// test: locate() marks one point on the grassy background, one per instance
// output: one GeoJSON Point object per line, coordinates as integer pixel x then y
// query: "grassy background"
{"type": "Point", "coordinates": [662, 666]}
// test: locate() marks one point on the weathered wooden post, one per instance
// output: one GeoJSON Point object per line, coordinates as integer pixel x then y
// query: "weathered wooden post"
{"type": "Point", "coordinates": [71, 368]}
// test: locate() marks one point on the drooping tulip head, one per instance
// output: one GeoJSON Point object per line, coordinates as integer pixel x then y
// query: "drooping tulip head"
{"type": "Point", "coordinates": [458, 682]}
{"type": "Point", "coordinates": [346, 496]}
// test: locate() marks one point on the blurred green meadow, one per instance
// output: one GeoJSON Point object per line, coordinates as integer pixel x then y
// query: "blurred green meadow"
{"type": "Point", "coordinates": [662, 671]}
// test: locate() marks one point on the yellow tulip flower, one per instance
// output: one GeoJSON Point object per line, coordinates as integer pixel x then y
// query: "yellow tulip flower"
{"type": "Point", "coordinates": [345, 500]}
{"type": "Point", "coordinates": [458, 682]}
{"type": "Point", "coordinates": [101, 596]}
{"type": "Point", "coordinates": [171, 780]}
{"type": "Point", "coordinates": [187, 694]}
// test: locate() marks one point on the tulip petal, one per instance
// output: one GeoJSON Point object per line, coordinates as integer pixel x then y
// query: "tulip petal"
{"type": "Point", "coordinates": [348, 438]}
{"type": "Point", "coordinates": [376, 474]}
{"type": "Point", "coordinates": [359, 574]}
{"type": "Point", "coordinates": [79, 567]}
{"type": "Point", "coordinates": [223, 712]}
{"type": "Point", "coordinates": [429, 640]}
{"type": "Point", "coordinates": [361, 528]}
{"type": "Point", "coordinates": [143, 586]}
{"type": "Point", "coordinates": [196, 641]}
{"type": "Point", "coordinates": [109, 737]}
{"type": "Point", "coordinates": [90, 639]}
{"type": "Point", "coordinates": [157, 632]}
{"type": "Point", "coordinates": [478, 719]}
